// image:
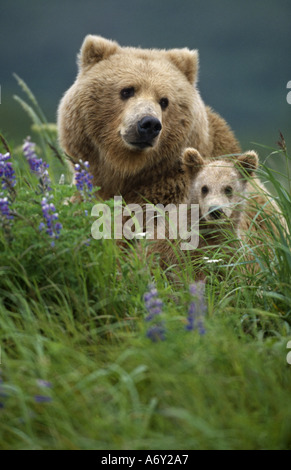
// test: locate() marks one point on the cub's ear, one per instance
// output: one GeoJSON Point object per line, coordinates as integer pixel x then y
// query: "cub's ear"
{"type": "Point", "coordinates": [94, 49]}
{"type": "Point", "coordinates": [248, 162]}
{"type": "Point", "coordinates": [192, 162]}
{"type": "Point", "coordinates": [186, 61]}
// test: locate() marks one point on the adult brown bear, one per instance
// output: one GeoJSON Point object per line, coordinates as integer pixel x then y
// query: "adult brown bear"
{"type": "Point", "coordinates": [131, 112]}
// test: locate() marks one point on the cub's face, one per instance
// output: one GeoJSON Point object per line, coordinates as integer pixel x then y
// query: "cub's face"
{"type": "Point", "coordinates": [219, 187]}
{"type": "Point", "coordinates": [220, 191]}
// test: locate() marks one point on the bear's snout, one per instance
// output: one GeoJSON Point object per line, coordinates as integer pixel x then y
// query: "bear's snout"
{"type": "Point", "coordinates": [148, 128]}
{"type": "Point", "coordinates": [215, 212]}
{"type": "Point", "coordinates": [141, 124]}
{"type": "Point", "coordinates": [143, 132]}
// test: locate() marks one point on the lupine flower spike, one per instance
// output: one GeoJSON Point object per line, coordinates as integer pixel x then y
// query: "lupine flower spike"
{"type": "Point", "coordinates": [3, 394]}
{"type": "Point", "coordinates": [83, 179]}
{"type": "Point", "coordinates": [5, 212]}
{"type": "Point", "coordinates": [43, 384]}
{"type": "Point", "coordinates": [157, 332]}
{"type": "Point", "coordinates": [7, 193]}
{"type": "Point", "coordinates": [153, 304]}
{"type": "Point", "coordinates": [53, 227]}
{"type": "Point", "coordinates": [40, 169]}
{"type": "Point", "coordinates": [197, 308]}
{"type": "Point", "coordinates": [37, 165]}
{"type": "Point", "coordinates": [7, 174]}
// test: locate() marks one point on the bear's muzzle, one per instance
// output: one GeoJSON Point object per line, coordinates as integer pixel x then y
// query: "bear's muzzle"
{"type": "Point", "coordinates": [141, 125]}
{"type": "Point", "coordinates": [144, 133]}
{"type": "Point", "coordinates": [148, 129]}
{"type": "Point", "coordinates": [215, 212]}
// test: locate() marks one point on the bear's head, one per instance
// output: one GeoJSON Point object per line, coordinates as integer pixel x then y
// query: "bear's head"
{"type": "Point", "coordinates": [220, 186]}
{"type": "Point", "coordinates": [130, 108]}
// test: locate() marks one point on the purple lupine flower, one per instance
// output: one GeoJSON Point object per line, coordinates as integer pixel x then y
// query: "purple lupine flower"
{"type": "Point", "coordinates": [42, 399]}
{"type": "Point", "coordinates": [53, 227]}
{"type": "Point", "coordinates": [37, 165]}
{"type": "Point", "coordinates": [7, 182]}
{"type": "Point", "coordinates": [40, 169]}
{"type": "Point", "coordinates": [7, 174]}
{"type": "Point", "coordinates": [83, 179]}
{"type": "Point", "coordinates": [3, 395]}
{"type": "Point", "coordinates": [5, 213]}
{"type": "Point", "coordinates": [197, 308]}
{"type": "Point", "coordinates": [43, 383]}
{"type": "Point", "coordinates": [156, 331]}
{"type": "Point", "coordinates": [152, 303]}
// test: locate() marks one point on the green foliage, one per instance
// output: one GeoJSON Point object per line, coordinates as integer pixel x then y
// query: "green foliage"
{"type": "Point", "coordinates": [73, 315]}
{"type": "Point", "coordinates": [46, 132]}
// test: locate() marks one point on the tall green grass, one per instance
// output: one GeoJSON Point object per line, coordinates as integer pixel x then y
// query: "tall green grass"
{"type": "Point", "coordinates": [74, 315]}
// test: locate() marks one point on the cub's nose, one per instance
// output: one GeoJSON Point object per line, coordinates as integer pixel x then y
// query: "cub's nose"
{"type": "Point", "coordinates": [148, 128]}
{"type": "Point", "coordinates": [215, 212]}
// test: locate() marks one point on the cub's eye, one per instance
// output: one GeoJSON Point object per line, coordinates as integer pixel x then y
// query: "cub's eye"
{"type": "Point", "coordinates": [164, 103]}
{"type": "Point", "coordinates": [204, 190]}
{"type": "Point", "coordinates": [228, 190]}
{"type": "Point", "coordinates": [127, 93]}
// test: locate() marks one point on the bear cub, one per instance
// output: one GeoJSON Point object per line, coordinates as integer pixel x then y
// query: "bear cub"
{"type": "Point", "coordinates": [221, 189]}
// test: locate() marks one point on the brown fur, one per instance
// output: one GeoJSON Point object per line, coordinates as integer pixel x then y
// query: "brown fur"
{"type": "Point", "coordinates": [93, 120]}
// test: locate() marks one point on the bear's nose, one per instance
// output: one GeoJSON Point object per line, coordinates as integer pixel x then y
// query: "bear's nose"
{"type": "Point", "coordinates": [148, 128]}
{"type": "Point", "coordinates": [215, 212]}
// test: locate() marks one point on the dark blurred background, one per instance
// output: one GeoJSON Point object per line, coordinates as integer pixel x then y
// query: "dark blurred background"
{"type": "Point", "coordinates": [244, 45]}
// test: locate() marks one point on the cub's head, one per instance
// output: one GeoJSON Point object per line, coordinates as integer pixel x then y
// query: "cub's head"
{"type": "Point", "coordinates": [132, 106]}
{"type": "Point", "coordinates": [219, 186]}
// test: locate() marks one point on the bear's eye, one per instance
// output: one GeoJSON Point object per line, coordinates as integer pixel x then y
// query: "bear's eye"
{"type": "Point", "coordinates": [127, 93]}
{"type": "Point", "coordinates": [164, 103]}
{"type": "Point", "coordinates": [228, 190]}
{"type": "Point", "coordinates": [204, 190]}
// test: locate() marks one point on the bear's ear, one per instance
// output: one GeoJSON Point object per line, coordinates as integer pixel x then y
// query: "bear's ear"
{"type": "Point", "coordinates": [186, 61]}
{"type": "Point", "coordinates": [192, 162]}
{"type": "Point", "coordinates": [94, 49]}
{"type": "Point", "coordinates": [248, 162]}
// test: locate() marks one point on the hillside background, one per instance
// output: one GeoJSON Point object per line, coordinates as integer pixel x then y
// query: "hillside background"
{"type": "Point", "coordinates": [245, 60]}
